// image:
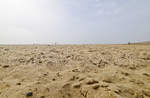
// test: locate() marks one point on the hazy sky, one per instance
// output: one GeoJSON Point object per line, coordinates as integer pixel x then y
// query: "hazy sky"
{"type": "Point", "coordinates": [74, 21]}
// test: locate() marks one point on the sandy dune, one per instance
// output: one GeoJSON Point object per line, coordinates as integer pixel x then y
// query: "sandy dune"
{"type": "Point", "coordinates": [75, 71]}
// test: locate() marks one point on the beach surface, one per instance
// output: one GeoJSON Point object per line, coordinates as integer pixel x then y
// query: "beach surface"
{"type": "Point", "coordinates": [74, 71]}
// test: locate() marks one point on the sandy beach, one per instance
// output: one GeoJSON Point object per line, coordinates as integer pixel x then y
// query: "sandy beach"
{"type": "Point", "coordinates": [74, 71]}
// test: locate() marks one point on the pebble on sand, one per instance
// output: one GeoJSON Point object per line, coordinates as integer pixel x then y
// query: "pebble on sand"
{"type": "Point", "coordinates": [18, 83]}
{"type": "Point", "coordinates": [29, 94]}
{"type": "Point", "coordinates": [91, 81]}
{"type": "Point", "coordinates": [77, 85]}
{"type": "Point", "coordinates": [42, 97]}
{"type": "Point", "coordinates": [5, 66]}
{"type": "Point", "coordinates": [95, 87]}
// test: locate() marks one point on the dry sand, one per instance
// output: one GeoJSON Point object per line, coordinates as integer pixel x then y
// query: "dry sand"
{"type": "Point", "coordinates": [75, 71]}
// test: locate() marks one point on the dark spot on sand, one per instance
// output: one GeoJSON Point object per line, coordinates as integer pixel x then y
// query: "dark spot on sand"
{"type": "Point", "coordinates": [5, 66]}
{"type": "Point", "coordinates": [6, 49]}
{"type": "Point", "coordinates": [95, 87]}
{"type": "Point", "coordinates": [29, 94]}
{"type": "Point", "coordinates": [18, 83]}
{"type": "Point", "coordinates": [104, 85]}
{"type": "Point", "coordinates": [91, 81]}
{"type": "Point", "coordinates": [42, 53]}
{"type": "Point", "coordinates": [146, 74]}
{"type": "Point", "coordinates": [77, 85]}
{"type": "Point", "coordinates": [53, 79]}
{"type": "Point", "coordinates": [40, 61]}
{"type": "Point", "coordinates": [132, 68]}
{"type": "Point", "coordinates": [42, 97]}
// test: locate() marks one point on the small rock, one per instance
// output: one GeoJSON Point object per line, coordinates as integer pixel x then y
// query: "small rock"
{"type": "Point", "coordinates": [103, 53]}
{"type": "Point", "coordinates": [29, 94]}
{"type": "Point", "coordinates": [146, 58]}
{"type": "Point", "coordinates": [69, 95]}
{"type": "Point", "coordinates": [45, 74]}
{"type": "Point", "coordinates": [31, 60]}
{"type": "Point", "coordinates": [77, 85]}
{"type": "Point", "coordinates": [75, 70]}
{"type": "Point", "coordinates": [104, 85]}
{"type": "Point", "coordinates": [139, 82]}
{"type": "Point", "coordinates": [53, 79]}
{"type": "Point", "coordinates": [68, 56]}
{"type": "Point", "coordinates": [132, 68]}
{"type": "Point", "coordinates": [95, 87]}
{"type": "Point", "coordinates": [81, 79]}
{"type": "Point", "coordinates": [50, 56]}
{"type": "Point", "coordinates": [125, 73]}
{"type": "Point", "coordinates": [66, 85]}
{"type": "Point", "coordinates": [118, 91]}
{"type": "Point", "coordinates": [42, 53]}
{"type": "Point", "coordinates": [91, 81]}
{"type": "Point", "coordinates": [58, 74]}
{"type": "Point", "coordinates": [6, 49]}
{"type": "Point", "coordinates": [5, 66]}
{"type": "Point", "coordinates": [21, 60]}
{"type": "Point", "coordinates": [18, 83]}
{"type": "Point", "coordinates": [77, 77]}
{"type": "Point", "coordinates": [42, 97]}
{"type": "Point", "coordinates": [40, 61]}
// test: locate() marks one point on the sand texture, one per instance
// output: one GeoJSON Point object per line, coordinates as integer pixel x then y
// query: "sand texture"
{"type": "Point", "coordinates": [75, 71]}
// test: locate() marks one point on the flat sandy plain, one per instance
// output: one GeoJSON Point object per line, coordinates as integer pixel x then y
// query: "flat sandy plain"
{"type": "Point", "coordinates": [75, 71]}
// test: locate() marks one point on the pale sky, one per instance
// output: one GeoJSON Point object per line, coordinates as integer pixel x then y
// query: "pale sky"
{"type": "Point", "coordinates": [74, 21]}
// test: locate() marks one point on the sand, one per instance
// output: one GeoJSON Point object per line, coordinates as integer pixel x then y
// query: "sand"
{"type": "Point", "coordinates": [75, 71]}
